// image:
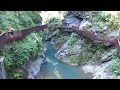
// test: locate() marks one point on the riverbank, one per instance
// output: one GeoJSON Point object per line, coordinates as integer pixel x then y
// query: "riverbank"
{"type": "Point", "coordinates": [79, 50]}
{"type": "Point", "coordinates": [102, 71]}
{"type": "Point", "coordinates": [33, 66]}
{"type": "Point", "coordinates": [55, 69]}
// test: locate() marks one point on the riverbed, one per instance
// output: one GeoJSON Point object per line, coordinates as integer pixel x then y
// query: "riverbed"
{"type": "Point", "coordinates": [55, 69]}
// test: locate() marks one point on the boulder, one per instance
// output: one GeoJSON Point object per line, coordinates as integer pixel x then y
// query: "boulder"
{"type": "Point", "coordinates": [105, 58]}
{"type": "Point", "coordinates": [34, 67]}
{"type": "Point", "coordinates": [67, 51]}
{"type": "Point", "coordinates": [79, 14]}
{"type": "Point", "coordinates": [104, 71]}
{"type": "Point", "coordinates": [73, 55]}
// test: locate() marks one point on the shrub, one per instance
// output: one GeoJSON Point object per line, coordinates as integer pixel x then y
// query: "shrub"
{"type": "Point", "coordinates": [18, 52]}
{"type": "Point", "coordinates": [52, 31]}
{"type": "Point", "coordinates": [100, 19]}
{"type": "Point", "coordinates": [115, 61]}
{"type": "Point", "coordinates": [72, 39]}
{"type": "Point", "coordinates": [116, 66]}
{"type": "Point", "coordinates": [36, 18]}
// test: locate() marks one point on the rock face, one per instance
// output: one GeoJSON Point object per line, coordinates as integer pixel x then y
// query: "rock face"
{"type": "Point", "coordinates": [34, 68]}
{"type": "Point", "coordinates": [56, 43]}
{"type": "Point", "coordinates": [75, 17]}
{"type": "Point", "coordinates": [2, 68]}
{"type": "Point", "coordinates": [115, 33]}
{"type": "Point", "coordinates": [31, 68]}
{"type": "Point", "coordinates": [102, 71]}
{"type": "Point", "coordinates": [66, 51]}
{"type": "Point", "coordinates": [73, 55]}
{"type": "Point", "coordinates": [79, 14]}
{"type": "Point", "coordinates": [72, 21]}
{"type": "Point", "coordinates": [99, 64]}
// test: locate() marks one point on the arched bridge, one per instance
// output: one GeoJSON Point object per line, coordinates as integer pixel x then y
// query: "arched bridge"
{"type": "Point", "coordinates": [14, 35]}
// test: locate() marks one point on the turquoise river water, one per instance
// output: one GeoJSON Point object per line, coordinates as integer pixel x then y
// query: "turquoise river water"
{"type": "Point", "coordinates": [55, 69]}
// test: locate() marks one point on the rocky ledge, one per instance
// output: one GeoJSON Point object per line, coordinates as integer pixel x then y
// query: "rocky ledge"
{"type": "Point", "coordinates": [102, 71]}
{"type": "Point", "coordinates": [31, 68]}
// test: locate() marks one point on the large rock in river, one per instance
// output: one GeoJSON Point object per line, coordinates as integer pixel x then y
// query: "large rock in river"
{"type": "Point", "coordinates": [74, 55]}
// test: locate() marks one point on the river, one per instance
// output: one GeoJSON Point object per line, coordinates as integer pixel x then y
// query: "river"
{"type": "Point", "coordinates": [55, 69]}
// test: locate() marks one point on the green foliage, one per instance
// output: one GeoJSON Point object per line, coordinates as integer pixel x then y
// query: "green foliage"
{"type": "Point", "coordinates": [8, 19]}
{"type": "Point", "coordinates": [54, 21]}
{"type": "Point", "coordinates": [115, 61]}
{"type": "Point", "coordinates": [72, 39]}
{"type": "Point", "coordinates": [16, 75]}
{"type": "Point", "coordinates": [19, 19]}
{"type": "Point", "coordinates": [113, 53]}
{"type": "Point", "coordinates": [100, 19]}
{"type": "Point", "coordinates": [18, 52]}
{"type": "Point", "coordinates": [114, 76]}
{"type": "Point", "coordinates": [114, 23]}
{"type": "Point", "coordinates": [53, 31]}
{"type": "Point", "coordinates": [116, 66]}
{"type": "Point", "coordinates": [36, 18]}
{"type": "Point", "coordinates": [93, 47]}
{"type": "Point", "coordinates": [78, 59]}
{"type": "Point", "coordinates": [57, 32]}
{"type": "Point", "coordinates": [25, 20]}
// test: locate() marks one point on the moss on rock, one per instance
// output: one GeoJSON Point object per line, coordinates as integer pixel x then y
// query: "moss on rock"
{"type": "Point", "coordinates": [78, 59]}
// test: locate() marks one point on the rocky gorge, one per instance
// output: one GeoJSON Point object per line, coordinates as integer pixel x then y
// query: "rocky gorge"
{"type": "Point", "coordinates": [74, 52]}
{"type": "Point", "coordinates": [79, 53]}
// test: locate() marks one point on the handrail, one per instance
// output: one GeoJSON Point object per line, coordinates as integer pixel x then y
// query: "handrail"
{"type": "Point", "coordinates": [15, 35]}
